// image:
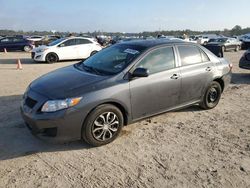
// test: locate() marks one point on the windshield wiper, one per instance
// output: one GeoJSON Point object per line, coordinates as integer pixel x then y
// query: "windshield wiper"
{"type": "Point", "coordinates": [91, 69]}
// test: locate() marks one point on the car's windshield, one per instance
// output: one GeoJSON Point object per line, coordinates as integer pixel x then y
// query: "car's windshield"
{"type": "Point", "coordinates": [112, 60]}
{"type": "Point", "coordinates": [221, 39]}
{"type": "Point", "coordinates": [56, 42]}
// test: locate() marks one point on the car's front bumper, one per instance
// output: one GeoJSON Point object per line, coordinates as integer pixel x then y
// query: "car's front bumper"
{"type": "Point", "coordinates": [38, 56]}
{"type": "Point", "coordinates": [63, 125]}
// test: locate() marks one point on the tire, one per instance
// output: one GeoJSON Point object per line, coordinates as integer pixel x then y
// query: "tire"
{"type": "Point", "coordinates": [93, 53]}
{"type": "Point", "coordinates": [205, 43]}
{"type": "Point", "coordinates": [212, 96]}
{"type": "Point", "coordinates": [223, 48]}
{"type": "Point", "coordinates": [51, 58]}
{"type": "Point", "coordinates": [98, 129]}
{"type": "Point", "coordinates": [237, 48]}
{"type": "Point", "coordinates": [27, 48]}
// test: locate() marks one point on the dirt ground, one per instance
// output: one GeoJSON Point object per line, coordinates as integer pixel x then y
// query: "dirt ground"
{"type": "Point", "coordinates": [186, 148]}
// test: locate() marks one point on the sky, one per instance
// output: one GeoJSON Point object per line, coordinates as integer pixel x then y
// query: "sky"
{"type": "Point", "coordinates": [123, 15]}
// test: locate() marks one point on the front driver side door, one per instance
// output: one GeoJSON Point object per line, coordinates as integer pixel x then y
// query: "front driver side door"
{"type": "Point", "coordinates": [67, 50]}
{"type": "Point", "coordinates": [160, 90]}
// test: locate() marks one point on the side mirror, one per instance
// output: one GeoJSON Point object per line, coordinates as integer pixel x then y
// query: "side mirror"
{"type": "Point", "coordinates": [61, 45]}
{"type": "Point", "coordinates": [140, 72]}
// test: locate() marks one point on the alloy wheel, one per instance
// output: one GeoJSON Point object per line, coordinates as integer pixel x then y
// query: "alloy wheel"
{"type": "Point", "coordinates": [105, 126]}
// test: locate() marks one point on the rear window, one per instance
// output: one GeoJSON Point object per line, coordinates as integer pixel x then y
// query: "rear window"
{"type": "Point", "coordinates": [83, 41]}
{"type": "Point", "coordinates": [189, 55]}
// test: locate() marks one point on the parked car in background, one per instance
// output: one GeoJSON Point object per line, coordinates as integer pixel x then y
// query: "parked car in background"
{"type": "Point", "coordinates": [245, 60]}
{"type": "Point", "coordinates": [246, 42]}
{"type": "Point", "coordinates": [121, 84]}
{"type": "Point", "coordinates": [46, 40]}
{"type": "Point", "coordinates": [226, 43]}
{"type": "Point", "coordinates": [35, 38]}
{"type": "Point", "coordinates": [16, 43]}
{"type": "Point", "coordinates": [65, 49]}
{"type": "Point", "coordinates": [203, 40]}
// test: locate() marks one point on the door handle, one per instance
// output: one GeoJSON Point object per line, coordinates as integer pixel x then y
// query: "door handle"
{"type": "Point", "coordinates": [208, 69]}
{"type": "Point", "coordinates": [174, 76]}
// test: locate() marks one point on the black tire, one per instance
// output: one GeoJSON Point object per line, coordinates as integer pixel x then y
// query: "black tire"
{"type": "Point", "coordinates": [212, 96]}
{"type": "Point", "coordinates": [93, 53]}
{"type": "Point", "coordinates": [98, 119]}
{"type": "Point", "coordinates": [27, 48]}
{"type": "Point", "coordinates": [51, 58]}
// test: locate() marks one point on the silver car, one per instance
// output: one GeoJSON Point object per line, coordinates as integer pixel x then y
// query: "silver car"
{"type": "Point", "coordinates": [92, 100]}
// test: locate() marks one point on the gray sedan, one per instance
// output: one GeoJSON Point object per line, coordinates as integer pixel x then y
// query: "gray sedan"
{"type": "Point", "coordinates": [92, 100]}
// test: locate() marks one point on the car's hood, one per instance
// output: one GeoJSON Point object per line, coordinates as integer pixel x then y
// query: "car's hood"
{"type": "Point", "coordinates": [65, 82]}
{"type": "Point", "coordinates": [40, 48]}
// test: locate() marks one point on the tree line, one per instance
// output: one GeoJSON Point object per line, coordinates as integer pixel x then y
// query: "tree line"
{"type": "Point", "coordinates": [235, 31]}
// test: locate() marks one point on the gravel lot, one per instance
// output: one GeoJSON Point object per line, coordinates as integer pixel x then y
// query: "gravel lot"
{"type": "Point", "coordinates": [187, 148]}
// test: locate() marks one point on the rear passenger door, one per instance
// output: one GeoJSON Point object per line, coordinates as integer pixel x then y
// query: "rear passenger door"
{"type": "Point", "coordinates": [160, 90]}
{"type": "Point", "coordinates": [84, 48]}
{"type": "Point", "coordinates": [196, 72]}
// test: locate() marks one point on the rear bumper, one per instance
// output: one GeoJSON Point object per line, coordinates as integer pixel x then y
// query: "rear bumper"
{"type": "Point", "coordinates": [227, 79]}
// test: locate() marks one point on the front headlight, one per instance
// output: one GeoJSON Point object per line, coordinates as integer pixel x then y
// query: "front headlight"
{"type": "Point", "coordinates": [41, 50]}
{"type": "Point", "coordinates": [55, 105]}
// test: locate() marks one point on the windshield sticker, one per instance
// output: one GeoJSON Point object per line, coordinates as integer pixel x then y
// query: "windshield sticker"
{"type": "Point", "coordinates": [131, 51]}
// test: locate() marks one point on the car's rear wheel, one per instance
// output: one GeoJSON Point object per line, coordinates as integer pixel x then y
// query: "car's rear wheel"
{"type": "Point", "coordinates": [212, 96]}
{"type": "Point", "coordinates": [51, 58]}
{"type": "Point", "coordinates": [27, 48]}
{"type": "Point", "coordinates": [237, 48]}
{"type": "Point", "coordinates": [102, 125]}
{"type": "Point", "coordinates": [223, 48]}
{"type": "Point", "coordinates": [93, 53]}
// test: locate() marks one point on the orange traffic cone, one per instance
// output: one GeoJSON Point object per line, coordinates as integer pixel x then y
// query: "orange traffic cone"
{"type": "Point", "coordinates": [19, 65]}
{"type": "Point", "coordinates": [5, 51]}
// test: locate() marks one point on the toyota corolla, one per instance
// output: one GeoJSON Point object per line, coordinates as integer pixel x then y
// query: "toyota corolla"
{"type": "Point", "coordinates": [93, 99]}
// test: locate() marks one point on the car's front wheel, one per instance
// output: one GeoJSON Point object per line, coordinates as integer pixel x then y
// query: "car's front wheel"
{"type": "Point", "coordinates": [102, 125]}
{"type": "Point", "coordinates": [212, 96]}
{"type": "Point", "coordinates": [93, 53]}
{"type": "Point", "coordinates": [51, 58]}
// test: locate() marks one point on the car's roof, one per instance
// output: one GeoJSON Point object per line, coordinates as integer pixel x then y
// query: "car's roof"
{"type": "Point", "coordinates": [153, 42]}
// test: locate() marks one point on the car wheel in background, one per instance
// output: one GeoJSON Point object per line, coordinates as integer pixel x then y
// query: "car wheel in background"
{"type": "Point", "coordinates": [212, 96]}
{"type": "Point", "coordinates": [93, 53]}
{"type": "Point", "coordinates": [102, 125]}
{"type": "Point", "coordinates": [27, 48]}
{"type": "Point", "coordinates": [51, 58]}
{"type": "Point", "coordinates": [223, 48]}
{"type": "Point", "coordinates": [237, 48]}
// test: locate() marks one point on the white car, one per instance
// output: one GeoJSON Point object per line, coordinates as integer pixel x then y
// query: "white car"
{"type": "Point", "coordinates": [35, 38]}
{"type": "Point", "coordinates": [66, 49]}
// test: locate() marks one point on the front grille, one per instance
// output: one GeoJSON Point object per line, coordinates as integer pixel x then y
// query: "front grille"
{"type": "Point", "coordinates": [30, 102]}
{"type": "Point", "coordinates": [33, 55]}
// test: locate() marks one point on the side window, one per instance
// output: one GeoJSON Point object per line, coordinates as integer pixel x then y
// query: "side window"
{"type": "Point", "coordinates": [7, 40]}
{"type": "Point", "coordinates": [204, 56]}
{"type": "Point", "coordinates": [69, 42]}
{"type": "Point", "coordinates": [158, 60]}
{"type": "Point", "coordinates": [189, 55]}
{"type": "Point", "coordinates": [82, 41]}
{"type": "Point", "coordinates": [18, 40]}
